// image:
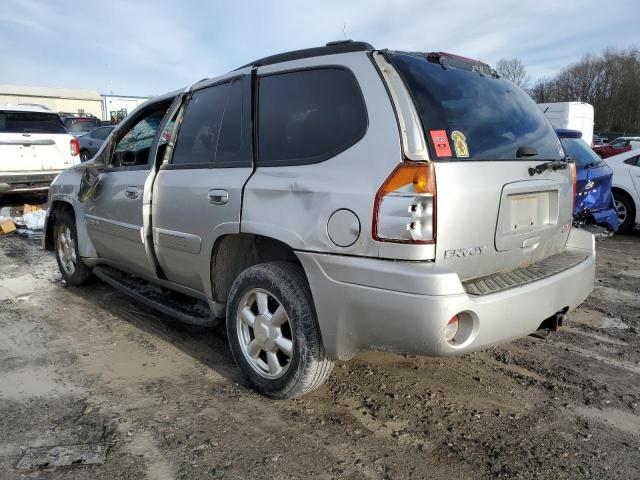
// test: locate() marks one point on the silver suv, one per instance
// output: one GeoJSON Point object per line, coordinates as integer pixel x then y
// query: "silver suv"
{"type": "Point", "coordinates": [331, 200]}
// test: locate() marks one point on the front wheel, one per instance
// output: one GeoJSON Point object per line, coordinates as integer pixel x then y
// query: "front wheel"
{"type": "Point", "coordinates": [273, 331]}
{"type": "Point", "coordinates": [73, 270]}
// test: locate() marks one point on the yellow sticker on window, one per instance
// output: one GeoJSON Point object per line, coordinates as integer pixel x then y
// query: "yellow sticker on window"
{"type": "Point", "coordinates": [460, 144]}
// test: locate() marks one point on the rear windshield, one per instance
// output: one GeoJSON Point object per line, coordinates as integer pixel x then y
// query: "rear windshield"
{"type": "Point", "coordinates": [469, 114]}
{"type": "Point", "coordinates": [81, 125]}
{"type": "Point", "coordinates": [30, 122]}
{"type": "Point", "coordinates": [579, 151]}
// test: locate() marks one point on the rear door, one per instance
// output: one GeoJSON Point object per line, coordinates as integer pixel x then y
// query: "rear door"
{"type": "Point", "coordinates": [197, 193]}
{"type": "Point", "coordinates": [33, 141]}
{"type": "Point", "coordinates": [114, 213]}
{"type": "Point", "coordinates": [492, 214]}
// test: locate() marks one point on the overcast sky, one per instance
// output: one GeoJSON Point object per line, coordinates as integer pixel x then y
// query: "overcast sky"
{"type": "Point", "coordinates": [149, 47]}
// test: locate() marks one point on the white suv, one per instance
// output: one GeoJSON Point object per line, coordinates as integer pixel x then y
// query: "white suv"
{"type": "Point", "coordinates": [34, 148]}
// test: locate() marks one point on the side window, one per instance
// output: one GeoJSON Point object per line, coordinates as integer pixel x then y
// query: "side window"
{"type": "Point", "coordinates": [133, 148]}
{"type": "Point", "coordinates": [198, 135]}
{"type": "Point", "coordinates": [308, 116]}
{"type": "Point", "coordinates": [101, 133]}
{"type": "Point", "coordinates": [620, 143]}
{"type": "Point", "coordinates": [230, 141]}
{"type": "Point", "coordinates": [634, 161]}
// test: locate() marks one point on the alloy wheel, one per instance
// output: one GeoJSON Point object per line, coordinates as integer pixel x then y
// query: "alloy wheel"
{"type": "Point", "coordinates": [66, 250]}
{"type": "Point", "coordinates": [264, 333]}
{"type": "Point", "coordinates": [622, 211]}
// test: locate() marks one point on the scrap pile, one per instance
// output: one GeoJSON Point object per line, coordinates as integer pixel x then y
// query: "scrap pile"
{"type": "Point", "coordinates": [27, 220]}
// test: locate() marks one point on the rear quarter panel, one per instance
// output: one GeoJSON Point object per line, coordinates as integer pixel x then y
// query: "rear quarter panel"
{"type": "Point", "coordinates": [294, 203]}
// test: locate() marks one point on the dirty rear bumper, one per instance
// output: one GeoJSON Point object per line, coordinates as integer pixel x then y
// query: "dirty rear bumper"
{"type": "Point", "coordinates": [19, 182]}
{"type": "Point", "coordinates": [366, 303]}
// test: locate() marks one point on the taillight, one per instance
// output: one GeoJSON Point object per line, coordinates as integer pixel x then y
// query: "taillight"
{"type": "Point", "coordinates": [572, 167]}
{"type": "Point", "coordinates": [75, 147]}
{"type": "Point", "coordinates": [405, 205]}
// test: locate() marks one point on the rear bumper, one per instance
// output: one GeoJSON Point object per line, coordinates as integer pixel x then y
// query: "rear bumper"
{"type": "Point", "coordinates": [19, 182]}
{"type": "Point", "coordinates": [400, 306]}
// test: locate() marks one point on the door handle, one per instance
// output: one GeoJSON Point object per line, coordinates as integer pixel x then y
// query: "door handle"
{"type": "Point", "coordinates": [132, 193]}
{"type": "Point", "coordinates": [218, 197]}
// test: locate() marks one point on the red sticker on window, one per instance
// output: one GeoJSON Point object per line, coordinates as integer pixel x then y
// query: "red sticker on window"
{"type": "Point", "coordinates": [441, 143]}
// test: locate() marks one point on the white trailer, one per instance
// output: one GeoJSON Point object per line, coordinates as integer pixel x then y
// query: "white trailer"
{"type": "Point", "coordinates": [572, 115]}
{"type": "Point", "coordinates": [119, 106]}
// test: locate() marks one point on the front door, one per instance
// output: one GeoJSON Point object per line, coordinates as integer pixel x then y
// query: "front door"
{"type": "Point", "coordinates": [113, 214]}
{"type": "Point", "coordinates": [197, 192]}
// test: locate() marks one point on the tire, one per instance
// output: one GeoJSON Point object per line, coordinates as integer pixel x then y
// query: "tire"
{"type": "Point", "coordinates": [624, 204]}
{"type": "Point", "coordinates": [85, 155]}
{"type": "Point", "coordinates": [65, 241]}
{"type": "Point", "coordinates": [257, 348]}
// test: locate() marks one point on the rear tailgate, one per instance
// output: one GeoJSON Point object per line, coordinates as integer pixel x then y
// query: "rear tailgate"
{"type": "Point", "coordinates": [28, 152]}
{"type": "Point", "coordinates": [492, 216]}
{"type": "Point", "coordinates": [484, 135]}
{"type": "Point", "coordinates": [33, 141]}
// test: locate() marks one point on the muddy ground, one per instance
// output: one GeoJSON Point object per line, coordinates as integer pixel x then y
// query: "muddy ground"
{"type": "Point", "coordinates": [89, 366]}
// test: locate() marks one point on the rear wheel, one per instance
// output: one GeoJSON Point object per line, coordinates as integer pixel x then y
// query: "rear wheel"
{"type": "Point", "coordinates": [85, 155]}
{"type": "Point", "coordinates": [73, 270]}
{"type": "Point", "coordinates": [626, 211]}
{"type": "Point", "coordinates": [273, 331]}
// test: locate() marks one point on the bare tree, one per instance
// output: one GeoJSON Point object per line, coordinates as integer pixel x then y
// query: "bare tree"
{"type": "Point", "coordinates": [610, 82]}
{"type": "Point", "coordinates": [514, 70]}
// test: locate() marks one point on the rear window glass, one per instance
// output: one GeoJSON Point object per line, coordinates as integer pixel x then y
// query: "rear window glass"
{"type": "Point", "coordinates": [81, 125]}
{"type": "Point", "coordinates": [579, 151]}
{"type": "Point", "coordinates": [30, 122]}
{"type": "Point", "coordinates": [468, 114]}
{"type": "Point", "coordinates": [308, 116]}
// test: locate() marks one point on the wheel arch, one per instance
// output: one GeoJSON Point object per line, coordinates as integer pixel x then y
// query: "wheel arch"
{"type": "Point", "coordinates": [233, 253]}
{"type": "Point", "coordinates": [56, 207]}
{"type": "Point", "coordinates": [65, 203]}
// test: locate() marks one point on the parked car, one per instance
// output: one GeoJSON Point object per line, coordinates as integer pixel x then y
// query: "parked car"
{"type": "Point", "coordinates": [626, 188]}
{"type": "Point", "coordinates": [619, 145]}
{"type": "Point", "coordinates": [91, 142]}
{"type": "Point", "coordinates": [78, 125]}
{"type": "Point", "coordinates": [287, 201]}
{"type": "Point", "coordinates": [34, 148]}
{"type": "Point", "coordinates": [594, 203]}
{"type": "Point", "coordinates": [598, 141]}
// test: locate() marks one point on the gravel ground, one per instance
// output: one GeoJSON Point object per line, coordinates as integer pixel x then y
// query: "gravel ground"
{"type": "Point", "coordinates": [90, 366]}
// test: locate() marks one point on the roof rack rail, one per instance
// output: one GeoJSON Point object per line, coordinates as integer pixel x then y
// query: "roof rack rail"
{"type": "Point", "coordinates": [331, 48]}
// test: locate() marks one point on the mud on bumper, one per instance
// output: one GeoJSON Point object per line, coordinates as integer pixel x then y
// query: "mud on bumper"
{"type": "Point", "coordinates": [404, 307]}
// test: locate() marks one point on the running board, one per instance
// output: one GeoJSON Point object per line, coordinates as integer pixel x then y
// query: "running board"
{"type": "Point", "coordinates": [191, 311]}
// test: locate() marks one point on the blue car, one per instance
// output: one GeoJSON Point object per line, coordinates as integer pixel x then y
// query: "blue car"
{"type": "Point", "coordinates": [594, 203]}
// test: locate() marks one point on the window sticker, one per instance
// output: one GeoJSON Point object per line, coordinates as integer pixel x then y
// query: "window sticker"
{"type": "Point", "coordinates": [460, 144]}
{"type": "Point", "coordinates": [441, 143]}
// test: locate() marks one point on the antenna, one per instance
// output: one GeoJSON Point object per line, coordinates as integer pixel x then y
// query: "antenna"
{"type": "Point", "coordinates": [344, 30]}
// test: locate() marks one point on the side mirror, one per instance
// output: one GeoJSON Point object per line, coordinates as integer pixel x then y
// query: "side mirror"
{"type": "Point", "coordinates": [90, 180]}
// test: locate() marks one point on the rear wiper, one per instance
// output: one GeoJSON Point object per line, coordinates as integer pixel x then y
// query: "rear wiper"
{"type": "Point", "coordinates": [553, 165]}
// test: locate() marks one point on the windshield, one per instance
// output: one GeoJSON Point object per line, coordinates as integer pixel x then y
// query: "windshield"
{"type": "Point", "coordinates": [30, 122]}
{"type": "Point", "coordinates": [467, 114]}
{"type": "Point", "coordinates": [580, 152]}
{"type": "Point", "coordinates": [81, 125]}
